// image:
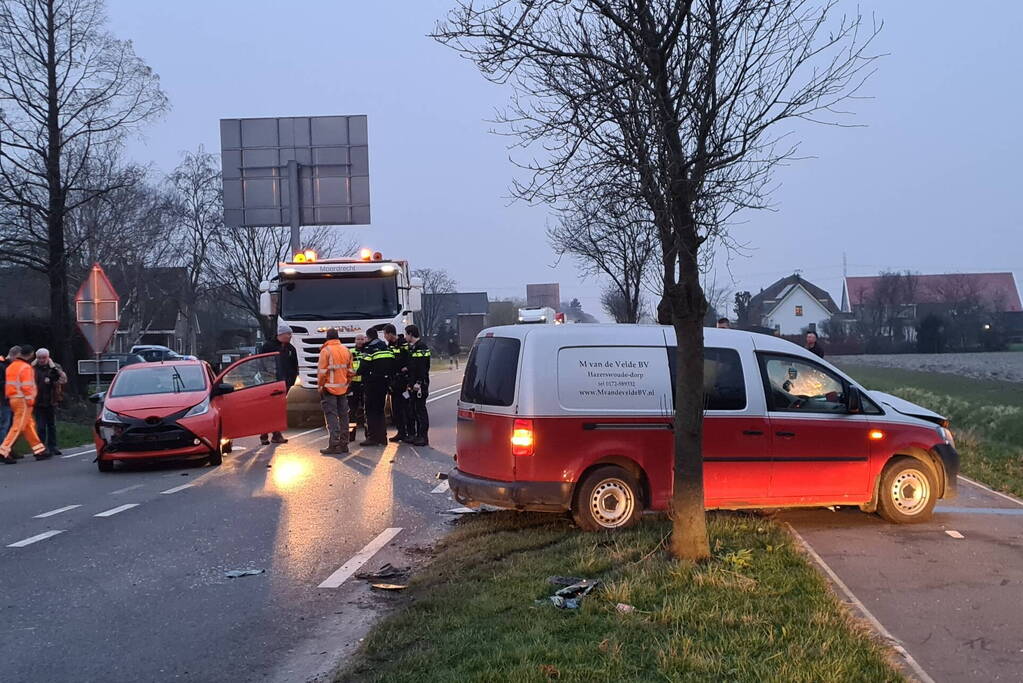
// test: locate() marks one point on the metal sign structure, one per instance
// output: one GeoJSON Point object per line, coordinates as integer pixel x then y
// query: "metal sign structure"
{"type": "Point", "coordinates": [97, 309]}
{"type": "Point", "coordinates": [294, 171]}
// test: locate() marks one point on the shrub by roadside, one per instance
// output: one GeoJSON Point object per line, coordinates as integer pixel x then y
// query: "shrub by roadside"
{"type": "Point", "coordinates": [757, 612]}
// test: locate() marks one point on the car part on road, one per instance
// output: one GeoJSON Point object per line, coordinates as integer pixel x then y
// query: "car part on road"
{"type": "Point", "coordinates": [389, 586]}
{"type": "Point", "coordinates": [908, 492]}
{"type": "Point", "coordinates": [386, 571]}
{"type": "Point", "coordinates": [609, 498]}
{"type": "Point", "coordinates": [237, 573]}
{"type": "Point", "coordinates": [570, 597]}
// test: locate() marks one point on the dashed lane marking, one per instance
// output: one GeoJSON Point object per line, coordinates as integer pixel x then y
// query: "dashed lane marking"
{"type": "Point", "coordinates": [851, 597]}
{"type": "Point", "coordinates": [442, 487]}
{"type": "Point", "coordinates": [953, 533]}
{"type": "Point", "coordinates": [51, 513]}
{"type": "Point", "coordinates": [113, 511]}
{"type": "Point", "coordinates": [178, 488]}
{"type": "Point", "coordinates": [35, 539]}
{"type": "Point", "coordinates": [126, 489]}
{"type": "Point", "coordinates": [360, 558]}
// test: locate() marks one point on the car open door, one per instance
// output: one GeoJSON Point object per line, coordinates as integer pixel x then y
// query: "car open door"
{"type": "Point", "coordinates": [258, 402]}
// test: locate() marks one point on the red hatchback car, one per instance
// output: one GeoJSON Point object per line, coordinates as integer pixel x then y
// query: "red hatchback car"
{"type": "Point", "coordinates": [181, 410]}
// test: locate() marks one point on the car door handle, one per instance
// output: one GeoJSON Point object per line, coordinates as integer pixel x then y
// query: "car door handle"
{"type": "Point", "coordinates": [752, 432]}
{"type": "Point", "coordinates": [785, 435]}
{"type": "Point", "coordinates": [277, 393]}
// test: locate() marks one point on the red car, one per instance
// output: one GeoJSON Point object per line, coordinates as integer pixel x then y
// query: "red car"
{"type": "Point", "coordinates": [182, 410]}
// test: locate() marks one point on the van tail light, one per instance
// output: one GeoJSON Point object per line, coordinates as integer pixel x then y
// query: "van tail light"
{"type": "Point", "coordinates": [522, 440]}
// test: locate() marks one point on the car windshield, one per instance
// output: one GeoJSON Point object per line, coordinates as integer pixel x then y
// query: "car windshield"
{"type": "Point", "coordinates": [163, 379]}
{"type": "Point", "coordinates": [340, 298]}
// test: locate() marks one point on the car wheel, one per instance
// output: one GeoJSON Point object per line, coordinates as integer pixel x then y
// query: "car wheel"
{"type": "Point", "coordinates": [216, 457]}
{"type": "Point", "coordinates": [227, 447]}
{"type": "Point", "coordinates": [608, 498]}
{"type": "Point", "coordinates": [908, 492]}
{"type": "Point", "coordinates": [105, 465]}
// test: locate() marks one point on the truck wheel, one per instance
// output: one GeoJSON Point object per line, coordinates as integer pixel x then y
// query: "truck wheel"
{"type": "Point", "coordinates": [908, 492]}
{"type": "Point", "coordinates": [105, 465]}
{"type": "Point", "coordinates": [608, 498]}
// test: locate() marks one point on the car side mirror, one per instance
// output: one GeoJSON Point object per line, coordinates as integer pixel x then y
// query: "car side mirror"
{"type": "Point", "coordinates": [97, 398]}
{"type": "Point", "coordinates": [854, 400]}
{"type": "Point", "coordinates": [221, 389]}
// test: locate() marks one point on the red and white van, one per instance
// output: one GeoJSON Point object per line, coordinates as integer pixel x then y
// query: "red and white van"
{"type": "Point", "coordinates": [579, 418]}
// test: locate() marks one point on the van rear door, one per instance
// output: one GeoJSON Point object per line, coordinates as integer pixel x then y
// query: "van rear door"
{"type": "Point", "coordinates": [486, 409]}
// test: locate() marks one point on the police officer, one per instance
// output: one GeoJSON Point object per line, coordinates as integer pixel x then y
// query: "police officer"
{"type": "Point", "coordinates": [356, 405]}
{"type": "Point", "coordinates": [419, 386]}
{"type": "Point", "coordinates": [400, 383]}
{"type": "Point", "coordinates": [377, 370]}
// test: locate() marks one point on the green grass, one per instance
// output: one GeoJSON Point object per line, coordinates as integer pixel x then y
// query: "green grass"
{"type": "Point", "coordinates": [986, 417]}
{"type": "Point", "coordinates": [757, 612]}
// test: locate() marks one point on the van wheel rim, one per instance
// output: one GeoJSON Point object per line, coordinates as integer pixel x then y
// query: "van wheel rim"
{"type": "Point", "coordinates": [911, 491]}
{"type": "Point", "coordinates": [612, 503]}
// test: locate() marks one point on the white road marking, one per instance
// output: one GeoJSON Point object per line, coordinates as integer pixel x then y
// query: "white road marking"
{"type": "Point", "coordinates": [1006, 496]}
{"type": "Point", "coordinates": [126, 489]}
{"type": "Point", "coordinates": [75, 455]}
{"type": "Point", "coordinates": [437, 398]}
{"type": "Point", "coordinates": [51, 513]}
{"type": "Point", "coordinates": [113, 511]}
{"type": "Point", "coordinates": [308, 431]}
{"type": "Point", "coordinates": [953, 533]}
{"type": "Point", "coordinates": [35, 539]}
{"type": "Point", "coordinates": [360, 558]}
{"type": "Point", "coordinates": [878, 626]}
{"type": "Point", "coordinates": [179, 488]}
{"type": "Point", "coordinates": [442, 487]}
{"type": "Point", "coordinates": [462, 511]}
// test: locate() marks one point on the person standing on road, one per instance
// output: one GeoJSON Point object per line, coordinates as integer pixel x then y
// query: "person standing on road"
{"type": "Point", "coordinates": [5, 405]}
{"type": "Point", "coordinates": [356, 403]}
{"type": "Point", "coordinates": [419, 386]}
{"type": "Point", "coordinates": [287, 369]}
{"type": "Point", "coordinates": [20, 388]}
{"type": "Point", "coordinates": [813, 344]}
{"type": "Point", "coordinates": [400, 385]}
{"type": "Point", "coordinates": [50, 380]}
{"type": "Point", "coordinates": [333, 376]}
{"type": "Point", "coordinates": [377, 370]}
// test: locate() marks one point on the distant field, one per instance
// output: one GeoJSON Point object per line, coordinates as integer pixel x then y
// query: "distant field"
{"type": "Point", "coordinates": [1003, 365]}
{"type": "Point", "coordinates": [991, 391]}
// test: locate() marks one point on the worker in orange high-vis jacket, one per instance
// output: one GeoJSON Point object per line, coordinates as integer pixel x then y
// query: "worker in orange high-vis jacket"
{"type": "Point", "coordinates": [20, 390]}
{"type": "Point", "coordinates": [334, 374]}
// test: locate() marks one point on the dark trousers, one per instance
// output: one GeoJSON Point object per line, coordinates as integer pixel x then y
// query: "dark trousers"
{"type": "Point", "coordinates": [399, 410]}
{"type": "Point", "coordinates": [374, 396]}
{"type": "Point", "coordinates": [356, 407]}
{"type": "Point", "coordinates": [419, 418]}
{"type": "Point", "coordinates": [46, 426]}
{"type": "Point", "coordinates": [6, 417]}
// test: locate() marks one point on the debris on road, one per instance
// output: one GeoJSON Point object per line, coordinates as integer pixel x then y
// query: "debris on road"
{"type": "Point", "coordinates": [954, 534]}
{"type": "Point", "coordinates": [442, 475]}
{"type": "Point", "coordinates": [625, 609]}
{"type": "Point", "coordinates": [570, 597]}
{"type": "Point", "coordinates": [389, 586]}
{"type": "Point", "coordinates": [387, 571]}
{"type": "Point", "coordinates": [236, 573]}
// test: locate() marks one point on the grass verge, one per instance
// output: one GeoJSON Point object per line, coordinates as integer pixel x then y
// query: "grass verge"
{"type": "Point", "coordinates": [986, 417]}
{"type": "Point", "coordinates": [757, 612]}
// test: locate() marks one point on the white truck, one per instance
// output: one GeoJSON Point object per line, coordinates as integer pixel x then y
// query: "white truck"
{"type": "Point", "coordinates": [349, 295]}
{"type": "Point", "coordinates": [540, 315]}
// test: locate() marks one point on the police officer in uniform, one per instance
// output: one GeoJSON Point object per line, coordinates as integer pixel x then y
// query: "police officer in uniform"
{"type": "Point", "coordinates": [377, 371]}
{"type": "Point", "coordinates": [356, 403]}
{"type": "Point", "coordinates": [400, 383]}
{"type": "Point", "coordinates": [419, 387]}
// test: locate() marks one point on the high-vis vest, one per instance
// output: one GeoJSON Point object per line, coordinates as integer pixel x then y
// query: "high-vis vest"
{"type": "Point", "coordinates": [335, 368]}
{"type": "Point", "coordinates": [357, 356]}
{"type": "Point", "coordinates": [20, 381]}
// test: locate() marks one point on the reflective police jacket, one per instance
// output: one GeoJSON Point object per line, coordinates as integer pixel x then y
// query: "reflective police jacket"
{"type": "Point", "coordinates": [377, 364]}
{"type": "Point", "coordinates": [419, 363]}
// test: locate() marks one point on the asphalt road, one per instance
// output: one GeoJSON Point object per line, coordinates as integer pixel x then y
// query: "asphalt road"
{"type": "Point", "coordinates": [121, 576]}
{"type": "Point", "coordinates": [949, 591]}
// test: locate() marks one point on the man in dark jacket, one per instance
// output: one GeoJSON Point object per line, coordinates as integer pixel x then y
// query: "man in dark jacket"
{"type": "Point", "coordinates": [376, 367]}
{"type": "Point", "coordinates": [813, 344]}
{"type": "Point", "coordinates": [50, 381]}
{"type": "Point", "coordinates": [287, 368]}
{"type": "Point", "coordinates": [400, 383]}
{"type": "Point", "coordinates": [419, 387]}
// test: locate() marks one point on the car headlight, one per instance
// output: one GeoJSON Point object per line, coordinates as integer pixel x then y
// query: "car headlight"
{"type": "Point", "coordinates": [199, 409]}
{"type": "Point", "coordinates": [946, 435]}
{"type": "Point", "coordinates": [110, 416]}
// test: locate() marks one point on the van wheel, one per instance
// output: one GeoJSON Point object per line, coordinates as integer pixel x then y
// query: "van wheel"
{"type": "Point", "coordinates": [105, 465]}
{"type": "Point", "coordinates": [608, 498]}
{"type": "Point", "coordinates": [908, 492]}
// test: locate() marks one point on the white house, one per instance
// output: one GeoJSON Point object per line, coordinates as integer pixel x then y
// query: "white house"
{"type": "Point", "coordinates": [792, 305]}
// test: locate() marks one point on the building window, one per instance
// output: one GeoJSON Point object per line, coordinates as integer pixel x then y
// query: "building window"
{"type": "Point", "coordinates": [799, 311]}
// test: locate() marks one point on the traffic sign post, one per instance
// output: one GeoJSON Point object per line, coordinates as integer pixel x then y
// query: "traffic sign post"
{"type": "Point", "coordinates": [97, 312]}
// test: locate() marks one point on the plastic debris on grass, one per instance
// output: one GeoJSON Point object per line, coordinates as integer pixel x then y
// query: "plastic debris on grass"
{"type": "Point", "coordinates": [237, 573]}
{"type": "Point", "coordinates": [570, 597]}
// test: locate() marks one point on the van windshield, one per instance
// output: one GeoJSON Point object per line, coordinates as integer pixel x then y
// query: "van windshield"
{"type": "Point", "coordinates": [491, 371]}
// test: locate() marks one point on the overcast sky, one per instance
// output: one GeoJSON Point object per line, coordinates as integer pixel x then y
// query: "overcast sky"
{"type": "Point", "coordinates": [931, 183]}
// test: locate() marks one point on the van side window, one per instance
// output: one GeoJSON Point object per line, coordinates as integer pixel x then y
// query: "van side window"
{"type": "Point", "coordinates": [724, 387]}
{"type": "Point", "coordinates": [491, 372]}
{"type": "Point", "coordinates": [794, 384]}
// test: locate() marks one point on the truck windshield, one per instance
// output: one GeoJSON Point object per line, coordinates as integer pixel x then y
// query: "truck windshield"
{"type": "Point", "coordinates": [340, 298]}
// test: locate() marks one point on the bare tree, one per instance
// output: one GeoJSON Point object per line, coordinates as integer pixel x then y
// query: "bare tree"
{"type": "Point", "coordinates": [435, 281]}
{"type": "Point", "coordinates": [685, 96]}
{"type": "Point", "coordinates": [70, 93]}
{"type": "Point", "coordinates": [612, 238]}
{"type": "Point", "coordinates": [889, 305]}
